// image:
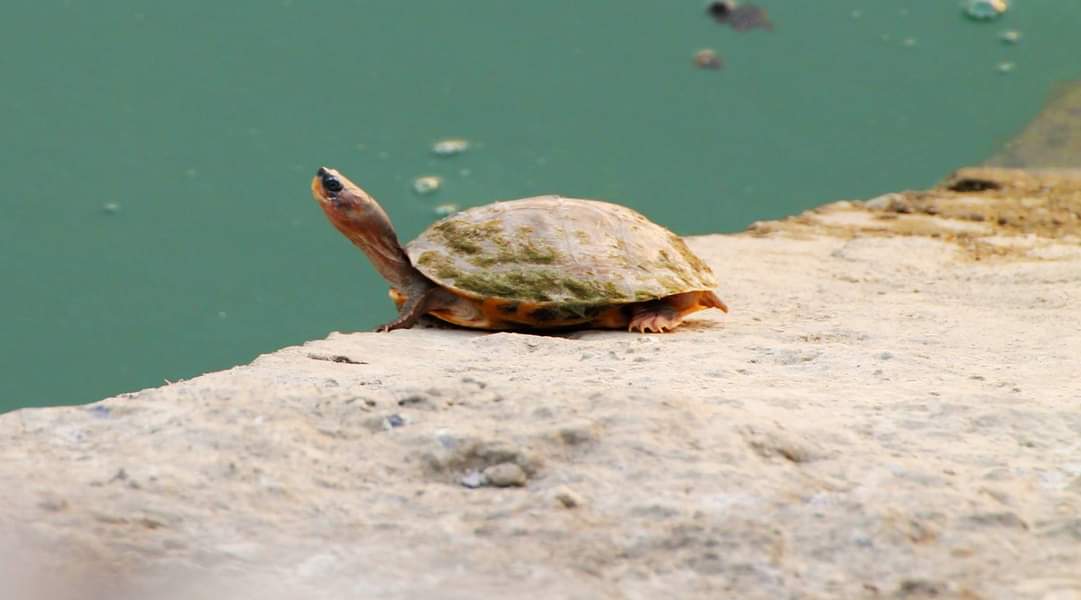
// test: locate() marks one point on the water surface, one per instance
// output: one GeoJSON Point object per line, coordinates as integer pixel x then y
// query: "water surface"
{"type": "Point", "coordinates": [156, 217]}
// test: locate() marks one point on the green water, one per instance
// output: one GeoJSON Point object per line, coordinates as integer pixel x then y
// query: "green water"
{"type": "Point", "coordinates": [200, 123]}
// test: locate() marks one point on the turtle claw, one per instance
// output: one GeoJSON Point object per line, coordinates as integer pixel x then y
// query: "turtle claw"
{"type": "Point", "coordinates": [658, 321]}
{"type": "Point", "coordinates": [395, 324]}
{"type": "Point", "coordinates": [415, 305]}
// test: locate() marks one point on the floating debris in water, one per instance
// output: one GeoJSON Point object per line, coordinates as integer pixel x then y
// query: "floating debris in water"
{"type": "Point", "coordinates": [706, 58]}
{"type": "Point", "coordinates": [742, 17]}
{"type": "Point", "coordinates": [1004, 67]}
{"type": "Point", "coordinates": [427, 184]}
{"type": "Point", "coordinates": [446, 209]}
{"type": "Point", "coordinates": [909, 41]}
{"type": "Point", "coordinates": [450, 147]}
{"type": "Point", "coordinates": [721, 9]}
{"type": "Point", "coordinates": [1010, 37]}
{"type": "Point", "coordinates": [111, 207]}
{"type": "Point", "coordinates": [984, 10]}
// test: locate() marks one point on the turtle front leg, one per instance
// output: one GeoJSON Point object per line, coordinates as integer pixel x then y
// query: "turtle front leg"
{"type": "Point", "coordinates": [414, 304]}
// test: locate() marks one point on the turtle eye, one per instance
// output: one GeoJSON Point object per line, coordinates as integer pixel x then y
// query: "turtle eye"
{"type": "Point", "coordinates": [331, 184]}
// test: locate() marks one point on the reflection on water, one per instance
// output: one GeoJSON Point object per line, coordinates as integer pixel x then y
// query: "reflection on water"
{"type": "Point", "coordinates": [1052, 139]}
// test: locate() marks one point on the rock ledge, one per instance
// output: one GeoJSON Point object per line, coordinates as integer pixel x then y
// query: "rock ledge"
{"type": "Point", "coordinates": [892, 409]}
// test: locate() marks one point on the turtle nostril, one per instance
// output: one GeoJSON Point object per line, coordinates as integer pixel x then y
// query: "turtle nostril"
{"type": "Point", "coordinates": [322, 171]}
{"type": "Point", "coordinates": [331, 183]}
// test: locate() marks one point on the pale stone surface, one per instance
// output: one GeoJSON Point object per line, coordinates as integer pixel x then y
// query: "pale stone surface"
{"type": "Point", "coordinates": [880, 415]}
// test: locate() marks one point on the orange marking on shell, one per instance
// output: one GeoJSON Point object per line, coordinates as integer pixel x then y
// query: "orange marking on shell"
{"type": "Point", "coordinates": [613, 317]}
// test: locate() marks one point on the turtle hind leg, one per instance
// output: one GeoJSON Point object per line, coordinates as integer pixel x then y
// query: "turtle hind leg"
{"type": "Point", "coordinates": [667, 313]}
{"type": "Point", "coordinates": [657, 316]}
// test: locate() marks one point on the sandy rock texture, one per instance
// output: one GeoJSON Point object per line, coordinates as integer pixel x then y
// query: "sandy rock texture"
{"type": "Point", "coordinates": [891, 410]}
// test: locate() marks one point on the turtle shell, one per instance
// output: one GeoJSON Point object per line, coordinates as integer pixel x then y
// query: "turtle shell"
{"type": "Point", "coordinates": [557, 251]}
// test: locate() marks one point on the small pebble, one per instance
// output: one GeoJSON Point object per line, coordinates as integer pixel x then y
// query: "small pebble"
{"type": "Point", "coordinates": [706, 58]}
{"type": "Point", "coordinates": [446, 209]}
{"type": "Point", "coordinates": [885, 201]}
{"type": "Point", "coordinates": [319, 565]}
{"type": "Point", "coordinates": [577, 433]}
{"type": "Point", "coordinates": [393, 422]}
{"type": "Point", "coordinates": [1005, 519]}
{"type": "Point", "coordinates": [450, 147]}
{"type": "Point", "coordinates": [427, 184]}
{"type": "Point", "coordinates": [568, 498]}
{"type": "Point", "coordinates": [1075, 485]}
{"type": "Point", "coordinates": [472, 479]}
{"type": "Point", "coordinates": [53, 504]}
{"type": "Point", "coordinates": [505, 475]}
{"type": "Point", "coordinates": [984, 10]}
{"type": "Point", "coordinates": [446, 439]}
{"type": "Point", "coordinates": [1010, 37]}
{"type": "Point", "coordinates": [920, 588]}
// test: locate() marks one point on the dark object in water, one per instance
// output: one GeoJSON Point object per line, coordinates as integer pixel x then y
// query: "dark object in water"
{"type": "Point", "coordinates": [742, 17]}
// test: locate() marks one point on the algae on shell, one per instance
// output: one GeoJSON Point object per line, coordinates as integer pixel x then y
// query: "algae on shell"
{"type": "Point", "coordinates": [560, 251]}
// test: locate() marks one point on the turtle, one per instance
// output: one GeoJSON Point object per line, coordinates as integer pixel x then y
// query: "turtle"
{"type": "Point", "coordinates": [539, 263]}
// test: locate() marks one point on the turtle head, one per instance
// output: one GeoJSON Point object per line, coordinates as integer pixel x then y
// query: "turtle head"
{"type": "Point", "coordinates": [341, 198]}
{"type": "Point", "coordinates": [359, 217]}
{"type": "Point", "coordinates": [350, 209]}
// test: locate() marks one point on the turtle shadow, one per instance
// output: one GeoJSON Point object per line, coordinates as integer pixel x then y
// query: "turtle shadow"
{"type": "Point", "coordinates": [572, 332]}
{"type": "Point", "coordinates": [693, 325]}
{"type": "Point", "coordinates": [701, 325]}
